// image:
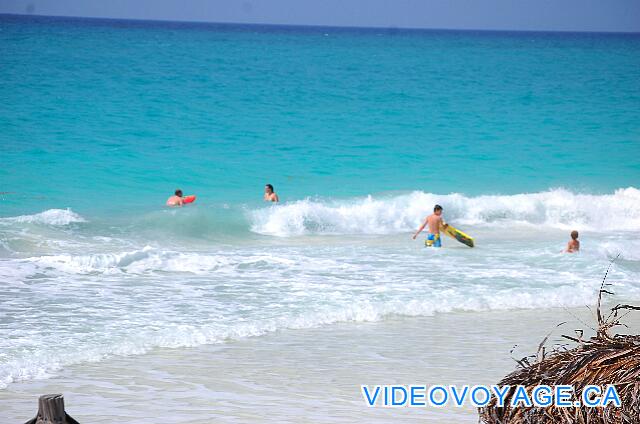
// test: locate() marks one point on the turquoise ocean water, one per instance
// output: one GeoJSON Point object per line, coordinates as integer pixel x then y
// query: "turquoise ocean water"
{"type": "Point", "coordinates": [119, 113]}
{"type": "Point", "coordinates": [522, 137]}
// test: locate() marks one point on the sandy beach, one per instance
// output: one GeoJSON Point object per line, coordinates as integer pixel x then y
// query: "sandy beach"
{"type": "Point", "coordinates": [308, 375]}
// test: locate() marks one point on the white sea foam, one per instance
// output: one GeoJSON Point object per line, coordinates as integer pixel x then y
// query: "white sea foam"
{"type": "Point", "coordinates": [45, 361]}
{"type": "Point", "coordinates": [149, 260]}
{"type": "Point", "coordinates": [625, 249]}
{"type": "Point", "coordinates": [146, 260]}
{"type": "Point", "coordinates": [53, 217]}
{"type": "Point", "coordinates": [120, 296]}
{"type": "Point", "coordinates": [383, 215]}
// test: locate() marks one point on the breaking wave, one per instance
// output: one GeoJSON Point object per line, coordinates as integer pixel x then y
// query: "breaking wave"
{"type": "Point", "coordinates": [54, 217]}
{"type": "Point", "coordinates": [557, 208]}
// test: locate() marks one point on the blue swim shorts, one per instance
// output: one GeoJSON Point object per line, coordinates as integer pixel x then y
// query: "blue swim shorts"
{"type": "Point", "coordinates": [433, 240]}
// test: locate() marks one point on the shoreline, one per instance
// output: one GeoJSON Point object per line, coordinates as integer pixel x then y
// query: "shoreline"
{"type": "Point", "coordinates": [287, 375]}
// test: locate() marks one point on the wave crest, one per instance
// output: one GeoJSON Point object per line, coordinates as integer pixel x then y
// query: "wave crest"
{"type": "Point", "coordinates": [557, 208]}
{"type": "Point", "coordinates": [54, 217]}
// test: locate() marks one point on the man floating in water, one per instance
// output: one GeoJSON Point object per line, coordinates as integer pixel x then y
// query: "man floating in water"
{"type": "Point", "coordinates": [270, 195]}
{"type": "Point", "coordinates": [574, 244]}
{"type": "Point", "coordinates": [176, 199]}
{"type": "Point", "coordinates": [434, 221]}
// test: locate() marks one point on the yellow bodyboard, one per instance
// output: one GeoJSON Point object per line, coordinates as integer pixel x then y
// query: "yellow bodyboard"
{"type": "Point", "coordinates": [459, 235]}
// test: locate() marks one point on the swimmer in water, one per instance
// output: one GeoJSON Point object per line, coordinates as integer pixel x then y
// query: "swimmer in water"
{"type": "Point", "coordinates": [435, 222]}
{"type": "Point", "coordinates": [176, 199]}
{"type": "Point", "coordinates": [574, 244]}
{"type": "Point", "coordinates": [270, 195]}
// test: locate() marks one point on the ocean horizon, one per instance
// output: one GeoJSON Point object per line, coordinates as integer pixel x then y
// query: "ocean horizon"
{"type": "Point", "coordinates": [390, 28]}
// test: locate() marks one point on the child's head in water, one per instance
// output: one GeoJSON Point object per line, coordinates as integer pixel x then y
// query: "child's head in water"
{"type": "Point", "coordinates": [574, 235]}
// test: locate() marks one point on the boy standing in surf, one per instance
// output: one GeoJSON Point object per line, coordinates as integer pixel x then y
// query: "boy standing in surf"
{"type": "Point", "coordinates": [435, 222]}
{"type": "Point", "coordinates": [574, 244]}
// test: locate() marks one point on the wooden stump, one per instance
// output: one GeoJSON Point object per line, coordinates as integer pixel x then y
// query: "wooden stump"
{"type": "Point", "coordinates": [51, 411]}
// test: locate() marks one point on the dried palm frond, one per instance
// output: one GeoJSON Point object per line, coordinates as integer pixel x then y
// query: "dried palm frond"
{"type": "Point", "coordinates": [601, 360]}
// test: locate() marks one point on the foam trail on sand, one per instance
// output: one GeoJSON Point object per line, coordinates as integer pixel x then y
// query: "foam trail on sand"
{"type": "Point", "coordinates": [38, 361]}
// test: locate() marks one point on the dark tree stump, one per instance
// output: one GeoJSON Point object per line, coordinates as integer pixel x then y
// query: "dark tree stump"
{"type": "Point", "coordinates": [51, 411]}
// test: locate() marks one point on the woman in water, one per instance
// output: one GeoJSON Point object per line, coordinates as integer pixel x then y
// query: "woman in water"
{"type": "Point", "coordinates": [269, 194]}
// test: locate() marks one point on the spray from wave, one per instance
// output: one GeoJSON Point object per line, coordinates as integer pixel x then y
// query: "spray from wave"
{"type": "Point", "coordinates": [386, 215]}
